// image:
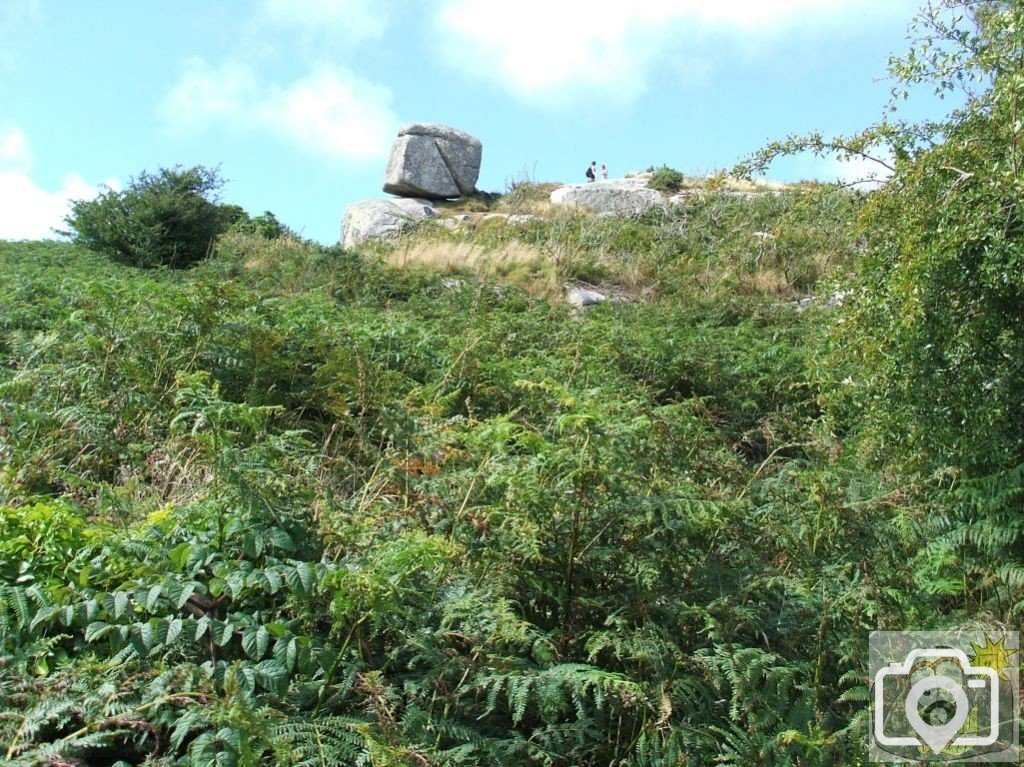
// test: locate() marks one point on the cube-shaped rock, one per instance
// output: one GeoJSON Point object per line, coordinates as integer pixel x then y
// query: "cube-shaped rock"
{"type": "Point", "coordinates": [434, 162]}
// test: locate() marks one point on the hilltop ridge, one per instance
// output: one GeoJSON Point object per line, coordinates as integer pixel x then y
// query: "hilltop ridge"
{"type": "Point", "coordinates": [702, 237]}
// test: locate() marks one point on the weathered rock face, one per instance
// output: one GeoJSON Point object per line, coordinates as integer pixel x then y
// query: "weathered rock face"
{"type": "Point", "coordinates": [434, 162]}
{"type": "Point", "coordinates": [622, 197]}
{"type": "Point", "coordinates": [376, 219]}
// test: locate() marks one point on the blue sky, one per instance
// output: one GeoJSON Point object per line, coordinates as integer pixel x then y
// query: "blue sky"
{"type": "Point", "coordinates": [299, 101]}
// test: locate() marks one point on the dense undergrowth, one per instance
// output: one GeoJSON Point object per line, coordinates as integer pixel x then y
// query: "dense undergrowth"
{"type": "Point", "coordinates": [297, 506]}
{"type": "Point", "coordinates": [307, 506]}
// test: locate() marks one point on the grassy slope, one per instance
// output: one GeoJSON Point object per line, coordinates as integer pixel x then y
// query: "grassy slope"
{"type": "Point", "coordinates": [455, 522]}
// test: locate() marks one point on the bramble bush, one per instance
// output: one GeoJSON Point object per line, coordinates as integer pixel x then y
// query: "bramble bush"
{"type": "Point", "coordinates": [168, 218]}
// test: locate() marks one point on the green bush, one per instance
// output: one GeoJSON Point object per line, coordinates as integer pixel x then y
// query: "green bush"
{"type": "Point", "coordinates": [169, 218]}
{"type": "Point", "coordinates": [666, 179]}
{"type": "Point", "coordinates": [265, 226]}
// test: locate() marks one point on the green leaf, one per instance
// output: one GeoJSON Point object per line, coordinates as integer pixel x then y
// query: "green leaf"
{"type": "Point", "coordinates": [273, 581]}
{"type": "Point", "coordinates": [142, 638]}
{"type": "Point", "coordinates": [222, 632]}
{"type": "Point", "coordinates": [307, 577]}
{"type": "Point", "coordinates": [186, 591]}
{"type": "Point", "coordinates": [252, 545]}
{"type": "Point", "coordinates": [255, 641]}
{"type": "Point", "coordinates": [202, 626]}
{"type": "Point", "coordinates": [152, 597]}
{"type": "Point", "coordinates": [116, 604]}
{"type": "Point", "coordinates": [88, 610]}
{"type": "Point", "coordinates": [291, 653]}
{"type": "Point", "coordinates": [19, 603]}
{"type": "Point", "coordinates": [96, 630]}
{"type": "Point", "coordinates": [281, 539]}
{"type": "Point", "coordinates": [174, 627]}
{"type": "Point", "coordinates": [272, 675]}
{"type": "Point", "coordinates": [179, 555]}
{"type": "Point", "coordinates": [44, 615]}
{"type": "Point", "coordinates": [277, 629]}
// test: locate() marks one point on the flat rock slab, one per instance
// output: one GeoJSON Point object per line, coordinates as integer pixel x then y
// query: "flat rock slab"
{"type": "Point", "coordinates": [434, 162]}
{"type": "Point", "coordinates": [379, 219]}
{"type": "Point", "coordinates": [622, 197]}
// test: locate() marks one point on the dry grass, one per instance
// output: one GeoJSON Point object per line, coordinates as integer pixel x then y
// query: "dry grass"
{"type": "Point", "coordinates": [513, 263]}
{"type": "Point", "coordinates": [531, 198]}
{"type": "Point", "coordinates": [767, 282]}
{"type": "Point", "coordinates": [470, 204]}
{"type": "Point", "coordinates": [258, 254]}
{"type": "Point", "coordinates": [522, 198]}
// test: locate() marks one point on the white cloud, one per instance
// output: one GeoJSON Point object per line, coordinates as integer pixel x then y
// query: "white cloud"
{"type": "Point", "coordinates": [205, 95]}
{"type": "Point", "coordinates": [542, 50]}
{"type": "Point", "coordinates": [14, 149]}
{"type": "Point", "coordinates": [859, 171]}
{"type": "Point", "coordinates": [334, 111]}
{"type": "Point", "coordinates": [330, 111]}
{"type": "Point", "coordinates": [31, 212]}
{"type": "Point", "coordinates": [350, 21]}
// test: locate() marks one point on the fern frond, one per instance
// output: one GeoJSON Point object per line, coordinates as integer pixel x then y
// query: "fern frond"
{"type": "Point", "coordinates": [320, 742]}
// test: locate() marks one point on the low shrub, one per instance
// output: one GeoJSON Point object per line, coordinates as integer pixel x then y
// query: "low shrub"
{"type": "Point", "coordinates": [170, 218]}
{"type": "Point", "coordinates": [666, 179]}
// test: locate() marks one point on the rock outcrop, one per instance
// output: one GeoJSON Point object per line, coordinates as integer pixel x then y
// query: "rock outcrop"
{"type": "Point", "coordinates": [434, 162]}
{"type": "Point", "coordinates": [622, 197]}
{"type": "Point", "coordinates": [427, 162]}
{"type": "Point", "coordinates": [377, 219]}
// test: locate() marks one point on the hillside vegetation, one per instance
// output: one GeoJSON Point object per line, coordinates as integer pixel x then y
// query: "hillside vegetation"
{"type": "Point", "coordinates": [297, 495]}
{"type": "Point", "coordinates": [299, 505]}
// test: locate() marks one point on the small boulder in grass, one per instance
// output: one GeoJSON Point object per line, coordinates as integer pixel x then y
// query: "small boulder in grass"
{"type": "Point", "coordinates": [582, 297]}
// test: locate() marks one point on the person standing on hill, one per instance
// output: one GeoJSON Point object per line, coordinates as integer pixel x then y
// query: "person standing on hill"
{"type": "Point", "coordinates": [592, 172]}
{"type": "Point", "coordinates": [604, 172]}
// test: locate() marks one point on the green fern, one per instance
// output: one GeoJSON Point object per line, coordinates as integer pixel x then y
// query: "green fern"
{"type": "Point", "coordinates": [321, 742]}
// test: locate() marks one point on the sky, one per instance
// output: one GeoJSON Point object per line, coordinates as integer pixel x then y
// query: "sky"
{"type": "Point", "coordinates": [297, 102]}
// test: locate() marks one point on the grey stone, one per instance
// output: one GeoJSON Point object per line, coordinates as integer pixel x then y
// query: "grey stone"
{"type": "Point", "coordinates": [622, 197]}
{"type": "Point", "coordinates": [378, 219]}
{"type": "Point", "coordinates": [583, 297]}
{"type": "Point", "coordinates": [433, 161]}
{"type": "Point", "coordinates": [838, 298]}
